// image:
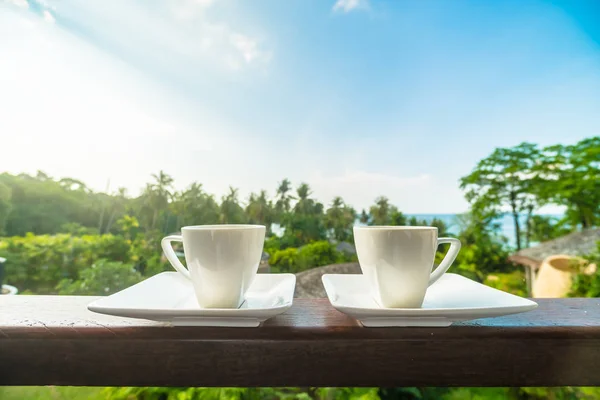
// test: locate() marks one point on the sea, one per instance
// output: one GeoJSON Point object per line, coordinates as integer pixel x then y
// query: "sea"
{"type": "Point", "coordinates": [452, 221]}
{"type": "Point", "coordinates": [505, 222]}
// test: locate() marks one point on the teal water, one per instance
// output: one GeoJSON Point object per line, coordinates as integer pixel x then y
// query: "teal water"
{"type": "Point", "coordinates": [452, 221]}
{"type": "Point", "coordinates": [507, 226]}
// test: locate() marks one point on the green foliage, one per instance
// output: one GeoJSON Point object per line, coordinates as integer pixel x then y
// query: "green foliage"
{"type": "Point", "coordinates": [587, 285]}
{"type": "Point", "coordinates": [482, 251]}
{"type": "Point", "coordinates": [318, 254]}
{"type": "Point", "coordinates": [128, 226]}
{"type": "Point", "coordinates": [283, 201]}
{"type": "Point", "coordinates": [312, 255]}
{"type": "Point", "coordinates": [478, 394]}
{"type": "Point", "coordinates": [146, 255]}
{"type": "Point", "coordinates": [543, 228]}
{"type": "Point", "coordinates": [153, 393]}
{"type": "Point", "coordinates": [272, 244]}
{"type": "Point", "coordinates": [260, 210]}
{"type": "Point", "coordinates": [73, 228]}
{"type": "Point", "coordinates": [524, 177]}
{"type": "Point", "coordinates": [51, 393]}
{"type": "Point", "coordinates": [194, 206]}
{"type": "Point", "coordinates": [511, 282]}
{"type": "Point", "coordinates": [41, 205]}
{"type": "Point", "coordinates": [364, 217]}
{"type": "Point", "coordinates": [438, 223]}
{"type": "Point", "coordinates": [285, 260]}
{"type": "Point", "coordinates": [231, 211]}
{"type": "Point", "coordinates": [383, 213]}
{"type": "Point", "coordinates": [559, 393]}
{"type": "Point", "coordinates": [409, 393]}
{"type": "Point", "coordinates": [158, 393]}
{"type": "Point", "coordinates": [103, 277]}
{"type": "Point", "coordinates": [570, 178]}
{"type": "Point", "coordinates": [348, 393]}
{"type": "Point", "coordinates": [5, 205]}
{"type": "Point", "coordinates": [38, 263]}
{"type": "Point", "coordinates": [506, 178]}
{"type": "Point", "coordinates": [154, 201]}
{"type": "Point", "coordinates": [305, 223]}
{"type": "Point", "coordinates": [339, 220]}
{"type": "Point", "coordinates": [477, 260]}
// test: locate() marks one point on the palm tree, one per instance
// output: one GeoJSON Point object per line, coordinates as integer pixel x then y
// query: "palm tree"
{"type": "Point", "coordinates": [364, 217]}
{"type": "Point", "coordinates": [162, 194]}
{"type": "Point", "coordinates": [231, 211]}
{"type": "Point", "coordinates": [163, 183]}
{"type": "Point", "coordinates": [303, 191]}
{"type": "Point", "coordinates": [305, 223]}
{"type": "Point", "coordinates": [380, 211]}
{"type": "Point", "coordinates": [335, 213]}
{"type": "Point", "coordinates": [283, 199]}
{"type": "Point", "coordinates": [304, 204]}
{"type": "Point", "coordinates": [119, 201]}
{"type": "Point", "coordinates": [177, 207]}
{"type": "Point", "coordinates": [339, 220]}
{"type": "Point", "coordinates": [383, 213]}
{"type": "Point", "coordinates": [156, 198]}
{"type": "Point", "coordinates": [260, 209]}
{"type": "Point", "coordinates": [5, 205]}
{"type": "Point", "coordinates": [196, 207]}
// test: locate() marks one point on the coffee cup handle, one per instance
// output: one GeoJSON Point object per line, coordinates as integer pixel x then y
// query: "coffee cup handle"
{"type": "Point", "coordinates": [171, 256]}
{"type": "Point", "coordinates": [448, 259]}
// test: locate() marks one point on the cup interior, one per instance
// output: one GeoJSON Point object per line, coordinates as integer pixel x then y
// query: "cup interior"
{"type": "Point", "coordinates": [222, 227]}
{"type": "Point", "coordinates": [396, 227]}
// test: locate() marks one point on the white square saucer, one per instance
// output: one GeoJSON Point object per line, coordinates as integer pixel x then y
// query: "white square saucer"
{"type": "Point", "coordinates": [452, 298]}
{"type": "Point", "coordinates": [170, 297]}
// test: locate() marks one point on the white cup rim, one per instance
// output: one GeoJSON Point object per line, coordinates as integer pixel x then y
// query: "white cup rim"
{"type": "Point", "coordinates": [222, 227]}
{"type": "Point", "coordinates": [396, 227]}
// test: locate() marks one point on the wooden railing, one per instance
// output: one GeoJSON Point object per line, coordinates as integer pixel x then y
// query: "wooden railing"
{"type": "Point", "coordinates": [54, 340]}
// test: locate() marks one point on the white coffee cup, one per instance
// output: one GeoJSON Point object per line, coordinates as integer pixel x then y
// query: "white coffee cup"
{"type": "Point", "coordinates": [222, 261]}
{"type": "Point", "coordinates": [397, 262]}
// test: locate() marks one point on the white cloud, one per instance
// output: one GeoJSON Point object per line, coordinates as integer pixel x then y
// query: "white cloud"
{"type": "Point", "coordinates": [246, 46]}
{"type": "Point", "coordinates": [349, 5]}
{"type": "Point", "coordinates": [19, 3]}
{"type": "Point", "coordinates": [249, 49]}
{"type": "Point", "coordinates": [189, 9]}
{"type": "Point", "coordinates": [217, 39]}
{"type": "Point", "coordinates": [179, 37]}
{"type": "Point", "coordinates": [48, 17]}
{"type": "Point", "coordinates": [87, 115]}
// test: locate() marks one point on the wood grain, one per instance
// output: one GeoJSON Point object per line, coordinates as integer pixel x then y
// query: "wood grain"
{"type": "Point", "coordinates": [55, 340]}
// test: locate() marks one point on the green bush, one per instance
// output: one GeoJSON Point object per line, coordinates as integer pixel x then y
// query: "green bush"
{"type": "Point", "coordinates": [585, 285]}
{"type": "Point", "coordinates": [312, 255]}
{"type": "Point", "coordinates": [513, 282]}
{"type": "Point", "coordinates": [38, 263]}
{"type": "Point", "coordinates": [101, 278]}
{"type": "Point", "coordinates": [319, 253]}
{"type": "Point", "coordinates": [157, 393]}
{"type": "Point", "coordinates": [476, 261]}
{"type": "Point", "coordinates": [272, 244]}
{"type": "Point", "coordinates": [146, 254]}
{"type": "Point", "coordinates": [285, 260]}
{"type": "Point", "coordinates": [51, 393]}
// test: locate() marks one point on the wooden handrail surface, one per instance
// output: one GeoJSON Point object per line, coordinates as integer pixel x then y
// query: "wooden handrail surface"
{"type": "Point", "coordinates": [55, 340]}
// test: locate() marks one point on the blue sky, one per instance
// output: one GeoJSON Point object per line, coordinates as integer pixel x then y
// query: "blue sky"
{"type": "Point", "coordinates": [357, 98]}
